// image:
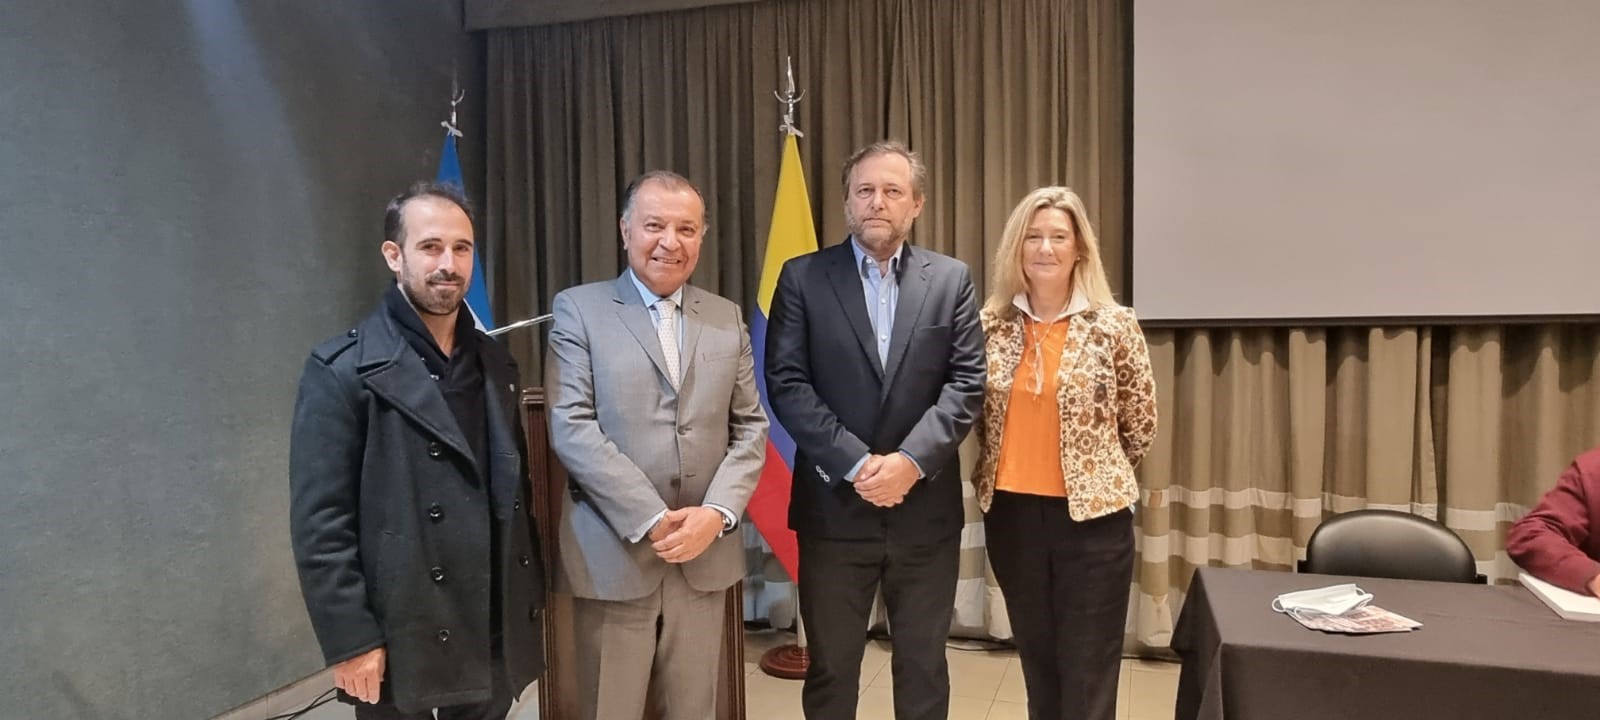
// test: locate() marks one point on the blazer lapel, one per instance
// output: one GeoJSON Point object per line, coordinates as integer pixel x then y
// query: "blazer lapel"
{"type": "Point", "coordinates": [692, 325]}
{"type": "Point", "coordinates": [1072, 350]}
{"type": "Point", "coordinates": [636, 317]}
{"type": "Point", "coordinates": [908, 310]}
{"type": "Point", "coordinates": [1004, 363]}
{"type": "Point", "coordinates": [846, 279]}
{"type": "Point", "coordinates": [394, 373]}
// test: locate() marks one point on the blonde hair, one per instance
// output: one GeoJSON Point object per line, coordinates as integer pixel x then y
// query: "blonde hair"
{"type": "Point", "coordinates": [1088, 275]}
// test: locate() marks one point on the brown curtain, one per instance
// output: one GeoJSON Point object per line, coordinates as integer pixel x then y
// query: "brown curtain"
{"type": "Point", "coordinates": [1264, 431]}
{"type": "Point", "coordinates": [999, 97]}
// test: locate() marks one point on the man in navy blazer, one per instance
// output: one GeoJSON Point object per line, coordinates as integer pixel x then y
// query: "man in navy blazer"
{"type": "Point", "coordinates": [875, 365]}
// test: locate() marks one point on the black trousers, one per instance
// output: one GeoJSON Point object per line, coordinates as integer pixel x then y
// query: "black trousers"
{"type": "Point", "coordinates": [1066, 589]}
{"type": "Point", "coordinates": [838, 580]}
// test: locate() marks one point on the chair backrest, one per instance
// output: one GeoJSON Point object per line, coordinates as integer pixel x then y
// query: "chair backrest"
{"type": "Point", "coordinates": [1389, 544]}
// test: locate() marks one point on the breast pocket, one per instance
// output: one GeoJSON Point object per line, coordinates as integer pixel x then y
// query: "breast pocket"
{"type": "Point", "coordinates": [716, 367]}
{"type": "Point", "coordinates": [933, 334]}
{"type": "Point", "coordinates": [720, 358]}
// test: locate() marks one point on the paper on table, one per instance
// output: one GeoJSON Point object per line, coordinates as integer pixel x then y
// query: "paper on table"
{"type": "Point", "coordinates": [1364, 621]}
{"type": "Point", "coordinates": [1566, 603]}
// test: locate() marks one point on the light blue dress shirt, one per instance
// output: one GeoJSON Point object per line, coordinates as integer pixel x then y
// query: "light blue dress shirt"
{"type": "Point", "coordinates": [883, 298]}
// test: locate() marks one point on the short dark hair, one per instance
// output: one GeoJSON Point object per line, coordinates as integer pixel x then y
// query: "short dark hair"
{"type": "Point", "coordinates": [672, 181]}
{"type": "Point", "coordinates": [919, 172]}
{"type": "Point", "coordinates": [394, 223]}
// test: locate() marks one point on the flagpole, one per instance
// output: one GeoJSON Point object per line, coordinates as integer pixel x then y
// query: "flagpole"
{"type": "Point", "coordinates": [520, 324]}
{"type": "Point", "coordinates": [789, 661]}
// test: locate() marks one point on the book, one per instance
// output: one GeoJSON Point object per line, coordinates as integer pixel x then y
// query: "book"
{"type": "Point", "coordinates": [1565, 603]}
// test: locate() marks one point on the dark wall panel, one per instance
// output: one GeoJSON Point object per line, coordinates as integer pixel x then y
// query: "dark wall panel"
{"type": "Point", "coordinates": [191, 196]}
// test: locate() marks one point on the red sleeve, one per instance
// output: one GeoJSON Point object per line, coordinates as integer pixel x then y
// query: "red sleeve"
{"type": "Point", "coordinates": [1549, 541]}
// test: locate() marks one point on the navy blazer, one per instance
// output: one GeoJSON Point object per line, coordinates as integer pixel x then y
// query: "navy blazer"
{"type": "Point", "coordinates": [827, 386]}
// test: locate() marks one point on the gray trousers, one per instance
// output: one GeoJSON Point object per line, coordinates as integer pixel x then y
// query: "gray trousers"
{"type": "Point", "coordinates": [668, 642]}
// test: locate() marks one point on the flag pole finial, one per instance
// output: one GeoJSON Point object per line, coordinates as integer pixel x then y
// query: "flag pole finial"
{"type": "Point", "coordinates": [450, 125]}
{"type": "Point", "coordinates": [789, 99]}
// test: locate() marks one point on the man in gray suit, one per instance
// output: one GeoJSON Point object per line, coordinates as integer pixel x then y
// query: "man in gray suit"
{"type": "Point", "coordinates": [655, 414]}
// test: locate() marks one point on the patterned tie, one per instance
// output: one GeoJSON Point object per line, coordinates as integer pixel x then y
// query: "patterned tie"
{"type": "Point", "coordinates": [667, 333]}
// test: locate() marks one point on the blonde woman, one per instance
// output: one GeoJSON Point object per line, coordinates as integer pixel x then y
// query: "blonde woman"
{"type": "Point", "coordinates": [1069, 409]}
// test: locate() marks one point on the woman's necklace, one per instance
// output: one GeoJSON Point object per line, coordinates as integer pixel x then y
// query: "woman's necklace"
{"type": "Point", "coordinates": [1037, 361]}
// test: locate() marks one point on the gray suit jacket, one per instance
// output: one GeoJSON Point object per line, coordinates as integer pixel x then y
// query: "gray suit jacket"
{"type": "Point", "coordinates": [634, 446]}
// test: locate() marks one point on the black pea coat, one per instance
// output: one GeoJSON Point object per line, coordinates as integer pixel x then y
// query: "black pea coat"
{"type": "Point", "coordinates": [390, 518]}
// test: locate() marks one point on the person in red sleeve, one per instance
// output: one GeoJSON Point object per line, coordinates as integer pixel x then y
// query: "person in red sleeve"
{"type": "Point", "coordinates": [1559, 540]}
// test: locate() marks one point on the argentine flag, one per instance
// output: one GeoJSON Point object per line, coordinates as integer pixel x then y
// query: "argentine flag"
{"type": "Point", "coordinates": [477, 291]}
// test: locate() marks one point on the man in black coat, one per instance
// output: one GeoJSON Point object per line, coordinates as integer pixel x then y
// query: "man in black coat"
{"type": "Point", "coordinates": [875, 366]}
{"type": "Point", "coordinates": [408, 508]}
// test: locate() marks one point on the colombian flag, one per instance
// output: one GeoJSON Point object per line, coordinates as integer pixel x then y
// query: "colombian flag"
{"type": "Point", "coordinates": [792, 234]}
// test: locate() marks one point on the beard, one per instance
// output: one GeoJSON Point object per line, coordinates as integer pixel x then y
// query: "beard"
{"type": "Point", "coordinates": [433, 299]}
{"type": "Point", "coordinates": [878, 236]}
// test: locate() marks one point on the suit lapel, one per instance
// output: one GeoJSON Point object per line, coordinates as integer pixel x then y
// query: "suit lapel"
{"type": "Point", "coordinates": [692, 325]}
{"type": "Point", "coordinates": [389, 368]}
{"type": "Point", "coordinates": [636, 318]}
{"type": "Point", "coordinates": [846, 280]}
{"type": "Point", "coordinates": [908, 310]}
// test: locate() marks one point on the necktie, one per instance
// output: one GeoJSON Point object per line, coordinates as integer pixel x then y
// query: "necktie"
{"type": "Point", "coordinates": [667, 333]}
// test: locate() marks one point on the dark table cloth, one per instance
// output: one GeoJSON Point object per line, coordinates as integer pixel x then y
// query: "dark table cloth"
{"type": "Point", "coordinates": [1483, 652]}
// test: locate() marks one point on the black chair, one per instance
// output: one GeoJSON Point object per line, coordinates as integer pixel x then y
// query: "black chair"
{"type": "Point", "coordinates": [1389, 544]}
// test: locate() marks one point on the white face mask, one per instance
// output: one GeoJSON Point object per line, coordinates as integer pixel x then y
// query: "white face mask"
{"type": "Point", "coordinates": [1331, 600]}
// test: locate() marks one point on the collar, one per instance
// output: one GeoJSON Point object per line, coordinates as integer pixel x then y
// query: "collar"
{"type": "Point", "coordinates": [862, 257]}
{"type": "Point", "coordinates": [1077, 304]}
{"type": "Point", "coordinates": [650, 299]}
{"type": "Point", "coordinates": [406, 315]}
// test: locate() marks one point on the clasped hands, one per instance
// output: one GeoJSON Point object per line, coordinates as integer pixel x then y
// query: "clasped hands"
{"type": "Point", "coordinates": [884, 480]}
{"type": "Point", "coordinates": [682, 534]}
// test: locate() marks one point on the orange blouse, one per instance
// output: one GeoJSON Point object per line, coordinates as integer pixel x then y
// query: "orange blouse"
{"type": "Point", "coordinates": [1030, 448]}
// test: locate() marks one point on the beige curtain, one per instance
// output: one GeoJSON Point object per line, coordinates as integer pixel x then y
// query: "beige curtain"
{"type": "Point", "coordinates": [1264, 431]}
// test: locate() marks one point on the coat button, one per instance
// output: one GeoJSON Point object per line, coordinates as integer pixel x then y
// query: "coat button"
{"type": "Point", "coordinates": [352, 332]}
{"type": "Point", "coordinates": [683, 430]}
{"type": "Point", "coordinates": [533, 614]}
{"type": "Point", "coordinates": [434, 450]}
{"type": "Point", "coordinates": [516, 504]}
{"type": "Point", "coordinates": [444, 636]}
{"type": "Point", "coordinates": [435, 513]}
{"type": "Point", "coordinates": [523, 561]}
{"type": "Point", "coordinates": [437, 573]}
